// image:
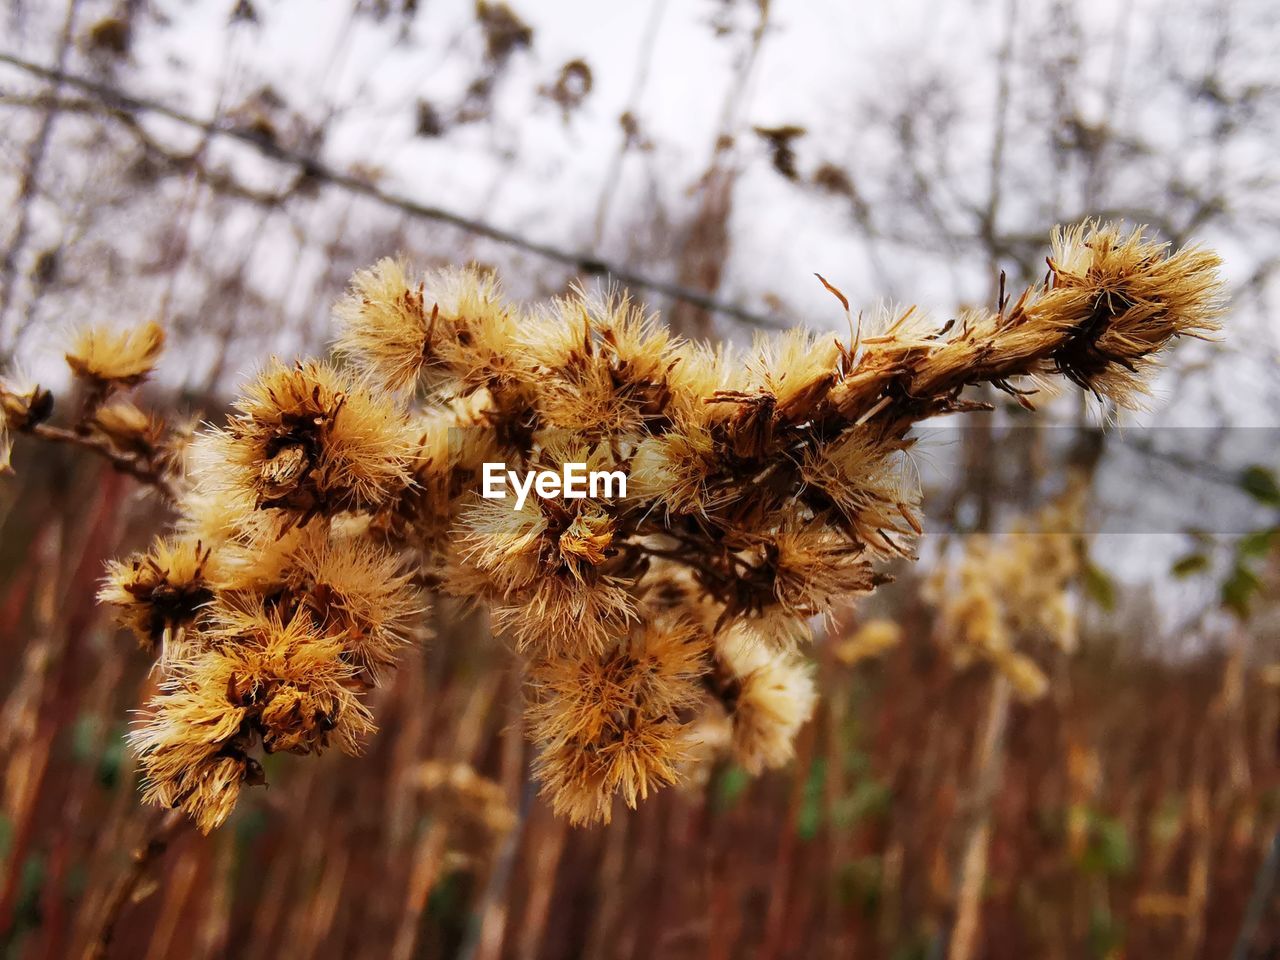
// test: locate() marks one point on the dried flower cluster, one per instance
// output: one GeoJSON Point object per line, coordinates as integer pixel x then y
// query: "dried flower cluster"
{"type": "Point", "coordinates": [104, 363]}
{"type": "Point", "coordinates": [270, 636]}
{"type": "Point", "coordinates": [1007, 592]}
{"type": "Point", "coordinates": [869, 641]}
{"type": "Point", "coordinates": [764, 488]}
{"type": "Point", "coordinates": [475, 807]}
{"type": "Point", "coordinates": [22, 407]}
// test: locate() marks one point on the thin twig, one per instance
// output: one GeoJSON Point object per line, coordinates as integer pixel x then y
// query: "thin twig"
{"type": "Point", "coordinates": [644, 59]}
{"type": "Point", "coordinates": [962, 942]}
{"type": "Point", "coordinates": [29, 182]}
{"type": "Point", "coordinates": [315, 170]}
{"type": "Point", "coordinates": [147, 472]}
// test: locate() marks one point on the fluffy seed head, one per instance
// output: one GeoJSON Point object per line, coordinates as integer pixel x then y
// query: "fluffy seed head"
{"type": "Point", "coordinates": [451, 330]}
{"type": "Point", "coordinates": [263, 676]}
{"type": "Point", "coordinates": [360, 594]}
{"type": "Point", "coordinates": [861, 478]}
{"type": "Point", "coordinates": [160, 593]}
{"type": "Point", "coordinates": [611, 724]}
{"type": "Point", "coordinates": [763, 487]}
{"type": "Point", "coordinates": [22, 405]}
{"type": "Point", "coordinates": [462, 797]}
{"type": "Point", "coordinates": [772, 698]}
{"type": "Point", "coordinates": [582, 780]}
{"type": "Point", "coordinates": [307, 439]}
{"type": "Point", "coordinates": [129, 428]}
{"type": "Point", "coordinates": [604, 367]}
{"type": "Point", "coordinates": [385, 324]}
{"type": "Point", "coordinates": [869, 641]}
{"type": "Point", "coordinates": [115, 358]}
{"type": "Point", "coordinates": [1120, 298]}
{"type": "Point", "coordinates": [815, 568]}
{"type": "Point", "coordinates": [674, 471]}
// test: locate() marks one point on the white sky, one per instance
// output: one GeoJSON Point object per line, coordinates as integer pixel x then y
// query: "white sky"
{"type": "Point", "coordinates": [833, 67]}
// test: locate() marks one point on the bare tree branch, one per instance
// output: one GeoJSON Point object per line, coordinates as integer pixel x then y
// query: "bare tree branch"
{"type": "Point", "coordinates": [314, 169]}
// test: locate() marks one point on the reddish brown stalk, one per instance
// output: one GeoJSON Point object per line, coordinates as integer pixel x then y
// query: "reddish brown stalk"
{"type": "Point", "coordinates": [975, 843]}
{"type": "Point", "coordinates": [776, 932]}
{"type": "Point", "coordinates": [161, 831]}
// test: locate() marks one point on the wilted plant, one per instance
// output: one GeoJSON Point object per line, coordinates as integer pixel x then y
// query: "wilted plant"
{"type": "Point", "coordinates": [762, 489]}
{"type": "Point", "coordinates": [869, 641]}
{"type": "Point", "coordinates": [475, 807]}
{"type": "Point", "coordinates": [1005, 593]}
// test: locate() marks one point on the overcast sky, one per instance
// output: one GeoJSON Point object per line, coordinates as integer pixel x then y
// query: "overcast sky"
{"type": "Point", "coordinates": [850, 73]}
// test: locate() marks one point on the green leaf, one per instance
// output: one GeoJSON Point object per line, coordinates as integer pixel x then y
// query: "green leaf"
{"type": "Point", "coordinates": [869, 799]}
{"type": "Point", "coordinates": [1100, 587]}
{"type": "Point", "coordinates": [1109, 851]}
{"type": "Point", "coordinates": [730, 785]}
{"type": "Point", "coordinates": [113, 759]}
{"type": "Point", "coordinates": [860, 882]}
{"type": "Point", "coordinates": [1260, 483]}
{"type": "Point", "coordinates": [1166, 823]}
{"type": "Point", "coordinates": [1256, 544]}
{"type": "Point", "coordinates": [857, 762]}
{"type": "Point", "coordinates": [918, 948]}
{"type": "Point", "coordinates": [447, 898]}
{"type": "Point", "coordinates": [77, 880]}
{"type": "Point", "coordinates": [1106, 934]}
{"type": "Point", "coordinates": [809, 817]}
{"type": "Point", "coordinates": [1189, 564]}
{"type": "Point", "coordinates": [1238, 590]}
{"type": "Point", "coordinates": [29, 888]}
{"type": "Point", "coordinates": [84, 734]}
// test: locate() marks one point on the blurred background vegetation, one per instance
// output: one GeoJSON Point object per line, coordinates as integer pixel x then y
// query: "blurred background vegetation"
{"type": "Point", "coordinates": [222, 167]}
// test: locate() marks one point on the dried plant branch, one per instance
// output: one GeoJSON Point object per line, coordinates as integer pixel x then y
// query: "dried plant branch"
{"type": "Point", "coordinates": [141, 468]}
{"type": "Point", "coordinates": [104, 363]}
{"type": "Point", "coordinates": [758, 492]}
{"type": "Point", "coordinates": [29, 183]}
{"type": "Point", "coordinates": [314, 170]}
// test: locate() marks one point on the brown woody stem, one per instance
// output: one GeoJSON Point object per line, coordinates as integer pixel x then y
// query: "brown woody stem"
{"type": "Point", "coordinates": [137, 467]}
